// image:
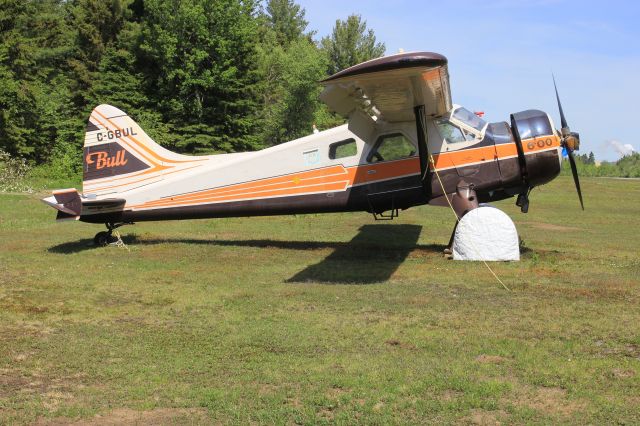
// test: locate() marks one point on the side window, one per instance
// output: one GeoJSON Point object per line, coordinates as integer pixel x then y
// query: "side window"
{"type": "Point", "coordinates": [392, 147]}
{"type": "Point", "coordinates": [451, 133]}
{"type": "Point", "coordinates": [342, 149]}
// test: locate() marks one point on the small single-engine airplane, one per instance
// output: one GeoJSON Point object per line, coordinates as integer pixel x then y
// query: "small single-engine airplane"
{"type": "Point", "coordinates": [404, 144]}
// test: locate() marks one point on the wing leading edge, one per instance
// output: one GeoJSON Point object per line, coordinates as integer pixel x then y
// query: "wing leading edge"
{"type": "Point", "coordinates": [391, 86]}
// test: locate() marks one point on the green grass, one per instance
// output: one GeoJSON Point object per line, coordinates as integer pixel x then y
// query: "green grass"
{"type": "Point", "coordinates": [324, 318]}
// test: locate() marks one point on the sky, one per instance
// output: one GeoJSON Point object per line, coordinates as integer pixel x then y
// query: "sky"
{"type": "Point", "coordinates": [502, 54]}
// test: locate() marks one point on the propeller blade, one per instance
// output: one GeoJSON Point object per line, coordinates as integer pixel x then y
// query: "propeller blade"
{"type": "Point", "coordinates": [574, 171]}
{"type": "Point", "coordinates": [563, 121]}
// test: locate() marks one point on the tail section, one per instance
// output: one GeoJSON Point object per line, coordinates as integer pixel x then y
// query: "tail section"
{"type": "Point", "coordinates": [114, 145]}
{"type": "Point", "coordinates": [119, 156]}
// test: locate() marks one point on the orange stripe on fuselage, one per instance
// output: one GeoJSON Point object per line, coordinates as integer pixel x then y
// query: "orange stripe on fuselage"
{"type": "Point", "coordinates": [327, 175]}
{"type": "Point", "coordinates": [270, 193]}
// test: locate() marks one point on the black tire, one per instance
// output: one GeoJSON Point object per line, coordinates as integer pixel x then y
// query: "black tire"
{"type": "Point", "coordinates": [101, 239]}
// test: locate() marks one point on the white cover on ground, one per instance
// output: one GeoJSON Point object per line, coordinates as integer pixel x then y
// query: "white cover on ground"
{"type": "Point", "coordinates": [486, 233]}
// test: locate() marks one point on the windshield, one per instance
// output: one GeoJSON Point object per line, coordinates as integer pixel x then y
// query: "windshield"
{"type": "Point", "coordinates": [467, 117]}
{"type": "Point", "coordinates": [453, 133]}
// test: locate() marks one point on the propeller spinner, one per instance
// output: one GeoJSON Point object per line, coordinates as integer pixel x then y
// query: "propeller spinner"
{"type": "Point", "coordinates": [571, 142]}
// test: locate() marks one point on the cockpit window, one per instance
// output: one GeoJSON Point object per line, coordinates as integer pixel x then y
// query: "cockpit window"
{"type": "Point", "coordinates": [452, 133]}
{"type": "Point", "coordinates": [467, 117]}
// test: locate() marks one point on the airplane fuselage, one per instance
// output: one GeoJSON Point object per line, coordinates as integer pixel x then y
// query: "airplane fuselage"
{"type": "Point", "coordinates": [336, 170]}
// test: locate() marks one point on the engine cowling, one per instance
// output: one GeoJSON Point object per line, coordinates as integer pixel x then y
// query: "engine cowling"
{"type": "Point", "coordinates": [538, 144]}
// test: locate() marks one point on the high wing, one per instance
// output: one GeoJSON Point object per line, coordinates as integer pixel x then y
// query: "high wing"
{"type": "Point", "coordinates": [391, 86]}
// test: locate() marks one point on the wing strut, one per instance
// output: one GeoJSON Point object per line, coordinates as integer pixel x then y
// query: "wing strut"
{"type": "Point", "coordinates": [423, 150]}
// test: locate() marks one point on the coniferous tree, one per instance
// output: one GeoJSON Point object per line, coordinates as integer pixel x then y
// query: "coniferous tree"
{"type": "Point", "coordinates": [289, 68]}
{"type": "Point", "coordinates": [199, 56]}
{"type": "Point", "coordinates": [350, 43]}
{"type": "Point", "coordinates": [286, 19]}
{"type": "Point", "coordinates": [34, 46]}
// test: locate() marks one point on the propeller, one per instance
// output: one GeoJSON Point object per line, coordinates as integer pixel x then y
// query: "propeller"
{"type": "Point", "coordinates": [570, 141]}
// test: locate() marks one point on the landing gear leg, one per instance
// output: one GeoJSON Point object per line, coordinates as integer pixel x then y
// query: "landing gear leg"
{"type": "Point", "coordinates": [464, 200]}
{"type": "Point", "coordinates": [104, 238]}
{"type": "Point", "coordinates": [449, 249]}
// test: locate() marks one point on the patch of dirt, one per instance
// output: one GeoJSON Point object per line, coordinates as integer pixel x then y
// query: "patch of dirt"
{"type": "Point", "coordinates": [52, 399]}
{"type": "Point", "coordinates": [619, 373]}
{"type": "Point", "coordinates": [326, 414]}
{"type": "Point", "coordinates": [52, 390]}
{"type": "Point", "coordinates": [485, 418]}
{"type": "Point", "coordinates": [399, 344]}
{"type": "Point", "coordinates": [25, 328]}
{"type": "Point", "coordinates": [294, 402]}
{"type": "Point", "coordinates": [549, 226]}
{"type": "Point", "coordinates": [11, 382]}
{"type": "Point", "coordinates": [335, 392]}
{"type": "Point", "coordinates": [158, 416]}
{"type": "Point", "coordinates": [450, 395]}
{"type": "Point", "coordinates": [599, 293]}
{"type": "Point", "coordinates": [630, 350]}
{"type": "Point", "coordinates": [266, 389]}
{"type": "Point", "coordinates": [490, 359]}
{"type": "Point", "coordinates": [421, 300]}
{"type": "Point", "coordinates": [634, 401]}
{"type": "Point", "coordinates": [553, 400]}
{"type": "Point", "coordinates": [548, 400]}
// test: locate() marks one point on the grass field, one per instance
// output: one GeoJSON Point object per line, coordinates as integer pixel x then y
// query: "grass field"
{"type": "Point", "coordinates": [323, 318]}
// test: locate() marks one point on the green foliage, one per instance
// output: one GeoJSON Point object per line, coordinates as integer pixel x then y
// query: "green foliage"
{"type": "Point", "coordinates": [199, 56]}
{"type": "Point", "coordinates": [290, 88]}
{"type": "Point", "coordinates": [327, 119]}
{"type": "Point", "coordinates": [587, 158]}
{"type": "Point", "coordinates": [198, 75]}
{"type": "Point", "coordinates": [350, 43]}
{"type": "Point", "coordinates": [13, 171]}
{"type": "Point", "coordinates": [286, 20]}
{"type": "Point", "coordinates": [627, 167]}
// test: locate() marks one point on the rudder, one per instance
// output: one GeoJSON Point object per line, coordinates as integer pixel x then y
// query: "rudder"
{"type": "Point", "coordinates": [109, 145]}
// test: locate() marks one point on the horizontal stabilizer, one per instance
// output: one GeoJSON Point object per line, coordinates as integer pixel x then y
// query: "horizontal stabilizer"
{"type": "Point", "coordinates": [70, 205]}
{"type": "Point", "coordinates": [67, 202]}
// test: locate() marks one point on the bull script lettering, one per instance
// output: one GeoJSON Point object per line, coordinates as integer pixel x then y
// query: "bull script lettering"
{"type": "Point", "coordinates": [102, 159]}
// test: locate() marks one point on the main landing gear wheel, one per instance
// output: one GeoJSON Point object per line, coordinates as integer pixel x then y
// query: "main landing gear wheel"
{"type": "Point", "coordinates": [104, 238]}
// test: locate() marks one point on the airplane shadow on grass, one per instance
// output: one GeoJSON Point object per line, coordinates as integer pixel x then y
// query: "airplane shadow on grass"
{"type": "Point", "coordinates": [371, 256]}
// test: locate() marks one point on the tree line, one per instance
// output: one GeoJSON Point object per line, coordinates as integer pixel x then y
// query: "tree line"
{"type": "Point", "coordinates": [198, 75]}
{"type": "Point", "coordinates": [628, 166]}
